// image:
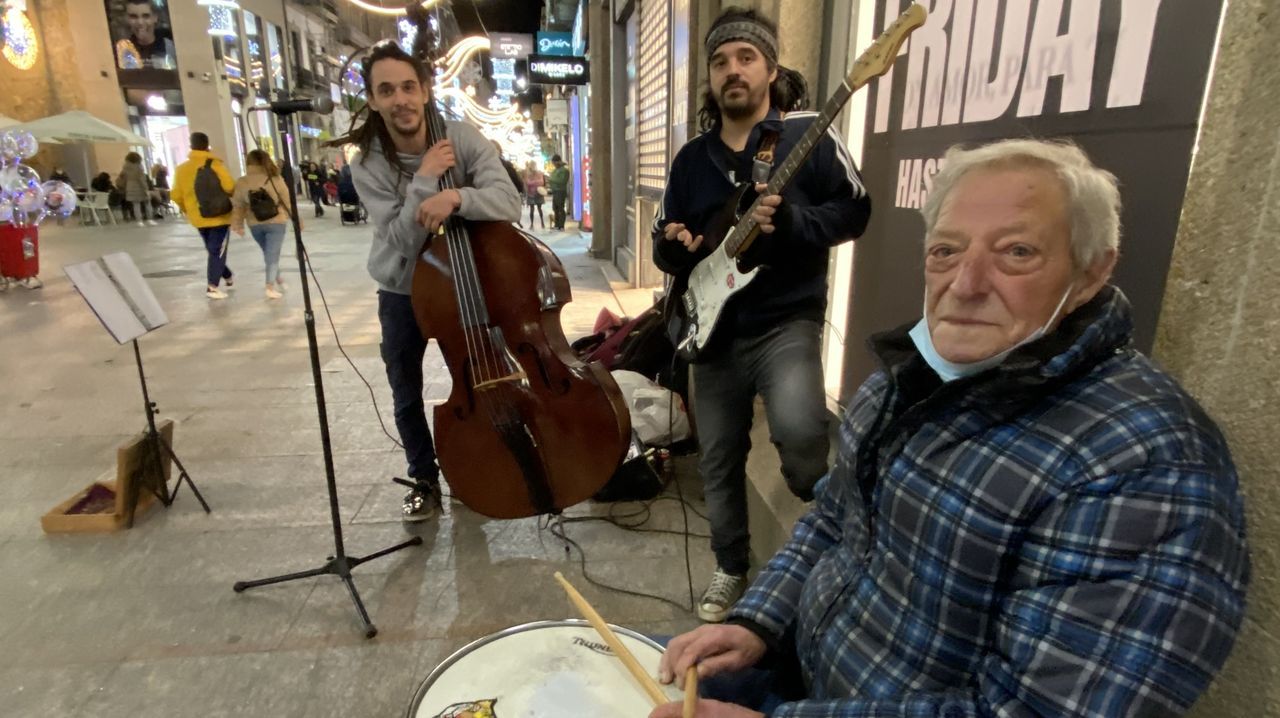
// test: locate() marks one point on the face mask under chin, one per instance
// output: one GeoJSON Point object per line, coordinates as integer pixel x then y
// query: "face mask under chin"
{"type": "Point", "coordinates": [950, 371]}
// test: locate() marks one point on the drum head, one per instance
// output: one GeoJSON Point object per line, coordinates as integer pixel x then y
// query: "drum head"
{"type": "Point", "coordinates": [549, 669]}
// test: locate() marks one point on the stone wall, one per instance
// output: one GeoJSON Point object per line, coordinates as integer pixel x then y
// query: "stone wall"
{"type": "Point", "coordinates": [1219, 329]}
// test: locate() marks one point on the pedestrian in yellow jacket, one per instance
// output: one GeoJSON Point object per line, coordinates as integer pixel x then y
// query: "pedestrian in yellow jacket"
{"type": "Point", "coordinates": [214, 230]}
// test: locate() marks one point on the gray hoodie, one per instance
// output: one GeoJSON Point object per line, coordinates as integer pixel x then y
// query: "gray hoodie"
{"type": "Point", "coordinates": [392, 200]}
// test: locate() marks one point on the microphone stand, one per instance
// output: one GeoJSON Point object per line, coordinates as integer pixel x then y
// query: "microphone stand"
{"type": "Point", "coordinates": [339, 564]}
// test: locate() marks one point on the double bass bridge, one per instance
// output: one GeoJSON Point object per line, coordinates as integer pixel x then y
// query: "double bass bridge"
{"type": "Point", "coordinates": [516, 377]}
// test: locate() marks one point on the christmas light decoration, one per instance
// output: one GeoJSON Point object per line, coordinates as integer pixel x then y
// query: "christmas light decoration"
{"type": "Point", "coordinates": [21, 48]}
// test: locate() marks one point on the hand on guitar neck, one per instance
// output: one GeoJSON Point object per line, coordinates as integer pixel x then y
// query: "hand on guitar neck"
{"type": "Point", "coordinates": [767, 210]}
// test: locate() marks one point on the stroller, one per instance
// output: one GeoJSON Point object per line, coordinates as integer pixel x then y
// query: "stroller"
{"type": "Point", "coordinates": [350, 210]}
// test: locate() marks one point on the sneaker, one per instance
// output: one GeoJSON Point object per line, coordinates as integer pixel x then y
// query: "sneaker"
{"type": "Point", "coordinates": [420, 504]}
{"type": "Point", "coordinates": [273, 294]}
{"type": "Point", "coordinates": [213, 293]}
{"type": "Point", "coordinates": [724, 591]}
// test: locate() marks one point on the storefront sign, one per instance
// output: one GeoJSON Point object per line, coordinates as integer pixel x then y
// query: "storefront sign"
{"type": "Point", "coordinates": [1122, 80]}
{"type": "Point", "coordinates": [515, 46]}
{"type": "Point", "coordinates": [555, 43]}
{"type": "Point", "coordinates": [556, 70]}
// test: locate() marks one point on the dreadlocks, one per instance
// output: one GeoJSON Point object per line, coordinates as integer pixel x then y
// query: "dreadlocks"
{"type": "Point", "coordinates": [374, 127]}
{"type": "Point", "coordinates": [787, 93]}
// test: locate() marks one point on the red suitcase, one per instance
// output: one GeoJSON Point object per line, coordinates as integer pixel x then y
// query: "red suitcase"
{"type": "Point", "coordinates": [19, 252]}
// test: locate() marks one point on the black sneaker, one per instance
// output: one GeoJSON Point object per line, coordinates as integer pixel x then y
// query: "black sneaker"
{"type": "Point", "coordinates": [421, 504]}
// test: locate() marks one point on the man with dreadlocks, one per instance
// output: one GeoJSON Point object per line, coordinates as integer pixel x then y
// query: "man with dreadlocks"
{"type": "Point", "coordinates": [398, 178]}
{"type": "Point", "coordinates": [769, 335]}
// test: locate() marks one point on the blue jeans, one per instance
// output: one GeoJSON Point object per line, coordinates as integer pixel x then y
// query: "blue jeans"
{"type": "Point", "coordinates": [215, 243]}
{"type": "Point", "coordinates": [269, 236]}
{"type": "Point", "coordinates": [402, 350]}
{"type": "Point", "coordinates": [784, 366]}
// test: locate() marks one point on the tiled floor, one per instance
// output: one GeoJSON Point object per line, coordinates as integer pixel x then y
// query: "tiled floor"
{"type": "Point", "coordinates": [144, 622]}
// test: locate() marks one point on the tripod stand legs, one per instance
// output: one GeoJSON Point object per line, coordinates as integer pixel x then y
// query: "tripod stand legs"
{"type": "Point", "coordinates": [182, 476]}
{"type": "Point", "coordinates": [339, 566]}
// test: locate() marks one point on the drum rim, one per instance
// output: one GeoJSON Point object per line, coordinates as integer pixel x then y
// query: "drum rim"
{"type": "Point", "coordinates": [457, 655]}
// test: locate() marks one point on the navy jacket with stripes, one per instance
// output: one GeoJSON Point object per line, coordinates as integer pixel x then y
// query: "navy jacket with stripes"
{"type": "Point", "coordinates": [824, 205]}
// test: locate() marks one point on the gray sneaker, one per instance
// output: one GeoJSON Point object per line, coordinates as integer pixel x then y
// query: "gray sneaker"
{"type": "Point", "coordinates": [724, 591]}
{"type": "Point", "coordinates": [421, 504]}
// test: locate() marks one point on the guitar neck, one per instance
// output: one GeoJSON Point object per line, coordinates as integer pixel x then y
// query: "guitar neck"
{"type": "Point", "coordinates": [746, 230]}
{"type": "Point", "coordinates": [875, 61]}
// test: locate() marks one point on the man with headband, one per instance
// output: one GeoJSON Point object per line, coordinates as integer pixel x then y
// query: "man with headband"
{"type": "Point", "coordinates": [768, 338]}
{"type": "Point", "coordinates": [1026, 516]}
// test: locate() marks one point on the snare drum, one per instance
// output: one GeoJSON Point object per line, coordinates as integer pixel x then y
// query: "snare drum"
{"type": "Point", "coordinates": [548, 669]}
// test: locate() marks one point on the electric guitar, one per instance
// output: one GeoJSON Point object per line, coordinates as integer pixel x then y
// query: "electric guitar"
{"type": "Point", "coordinates": [719, 276]}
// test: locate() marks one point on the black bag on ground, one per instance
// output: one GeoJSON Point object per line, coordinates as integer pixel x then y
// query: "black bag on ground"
{"type": "Point", "coordinates": [212, 200]}
{"type": "Point", "coordinates": [636, 479]}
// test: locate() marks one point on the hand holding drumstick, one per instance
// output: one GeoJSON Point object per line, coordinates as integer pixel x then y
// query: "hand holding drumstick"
{"type": "Point", "coordinates": [704, 652]}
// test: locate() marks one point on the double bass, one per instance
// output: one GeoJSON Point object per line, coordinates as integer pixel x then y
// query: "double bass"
{"type": "Point", "coordinates": [528, 428]}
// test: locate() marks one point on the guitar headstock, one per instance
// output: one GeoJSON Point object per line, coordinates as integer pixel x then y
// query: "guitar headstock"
{"type": "Point", "coordinates": [879, 58]}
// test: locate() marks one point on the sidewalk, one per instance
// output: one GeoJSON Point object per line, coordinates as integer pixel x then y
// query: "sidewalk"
{"type": "Point", "coordinates": [144, 622]}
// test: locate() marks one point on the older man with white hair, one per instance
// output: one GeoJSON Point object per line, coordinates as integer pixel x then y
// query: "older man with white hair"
{"type": "Point", "coordinates": [1026, 517]}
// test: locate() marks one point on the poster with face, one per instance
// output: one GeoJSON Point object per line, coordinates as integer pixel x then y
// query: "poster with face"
{"type": "Point", "coordinates": [141, 34]}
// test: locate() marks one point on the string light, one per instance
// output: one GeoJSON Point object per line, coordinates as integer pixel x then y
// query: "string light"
{"type": "Point", "coordinates": [380, 10]}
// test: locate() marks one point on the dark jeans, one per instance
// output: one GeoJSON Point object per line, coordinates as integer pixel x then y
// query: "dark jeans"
{"type": "Point", "coordinates": [318, 197]}
{"type": "Point", "coordinates": [784, 366]}
{"type": "Point", "coordinates": [402, 350]}
{"type": "Point", "coordinates": [215, 243]}
{"type": "Point", "coordinates": [557, 207]}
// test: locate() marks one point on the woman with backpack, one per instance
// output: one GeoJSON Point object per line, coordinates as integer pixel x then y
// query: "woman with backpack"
{"type": "Point", "coordinates": [260, 199]}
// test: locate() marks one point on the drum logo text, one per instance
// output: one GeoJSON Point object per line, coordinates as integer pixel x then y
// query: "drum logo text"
{"type": "Point", "coordinates": [597, 647]}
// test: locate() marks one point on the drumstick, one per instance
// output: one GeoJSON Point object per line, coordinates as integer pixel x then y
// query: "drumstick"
{"type": "Point", "coordinates": [646, 682]}
{"type": "Point", "coordinates": [691, 691]}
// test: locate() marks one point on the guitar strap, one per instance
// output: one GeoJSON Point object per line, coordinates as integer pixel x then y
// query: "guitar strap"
{"type": "Point", "coordinates": [762, 167]}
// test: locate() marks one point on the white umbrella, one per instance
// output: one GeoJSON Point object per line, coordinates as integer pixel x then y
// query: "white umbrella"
{"type": "Point", "coordinates": [78, 126]}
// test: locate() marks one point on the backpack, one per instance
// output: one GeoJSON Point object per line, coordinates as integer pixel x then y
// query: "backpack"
{"type": "Point", "coordinates": [210, 197]}
{"type": "Point", "coordinates": [263, 206]}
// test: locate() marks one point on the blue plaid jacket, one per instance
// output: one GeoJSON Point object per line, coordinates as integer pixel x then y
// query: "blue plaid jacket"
{"type": "Point", "coordinates": [1061, 535]}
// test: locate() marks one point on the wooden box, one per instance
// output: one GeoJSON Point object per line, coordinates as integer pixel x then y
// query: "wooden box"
{"type": "Point", "coordinates": [100, 506]}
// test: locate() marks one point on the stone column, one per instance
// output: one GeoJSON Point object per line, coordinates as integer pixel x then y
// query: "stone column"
{"type": "Point", "coordinates": [600, 34]}
{"type": "Point", "coordinates": [800, 24]}
{"type": "Point", "coordinates": [1219, 329]}
{"type": "Point", "coordinates": [205, 94]}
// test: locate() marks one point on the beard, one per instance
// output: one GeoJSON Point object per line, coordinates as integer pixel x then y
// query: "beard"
{"type": "Point", "coordinates": [744, 103]}
{"type": "Point", "coordinates": [408, 131]}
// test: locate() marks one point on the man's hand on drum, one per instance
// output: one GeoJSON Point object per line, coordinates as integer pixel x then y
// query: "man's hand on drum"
{"type": "Point", "coordinates": [714, 649]}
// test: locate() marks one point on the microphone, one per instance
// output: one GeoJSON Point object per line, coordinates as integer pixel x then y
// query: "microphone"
{"type": "Point", "coordinates": [320, 104]}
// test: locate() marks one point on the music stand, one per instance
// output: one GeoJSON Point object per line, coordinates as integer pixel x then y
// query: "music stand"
{"type": "Point", "coordinates": [122, 300]}
{"type": "Point", "coordinates": [340, 564]}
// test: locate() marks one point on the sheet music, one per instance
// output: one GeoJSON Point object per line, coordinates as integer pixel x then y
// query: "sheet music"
{"type": "Point", "coordinates": [118, 294]}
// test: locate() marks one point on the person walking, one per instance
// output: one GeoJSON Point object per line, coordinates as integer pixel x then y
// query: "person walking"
{"type": "Point", "coordinates": [202, 189]}
{"type": "Point", "coordinates": [260, 199]}
{"type": "Point", "coordinates": [132, 183]}
{"type": "Point", "coordinates": [558, 182]}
